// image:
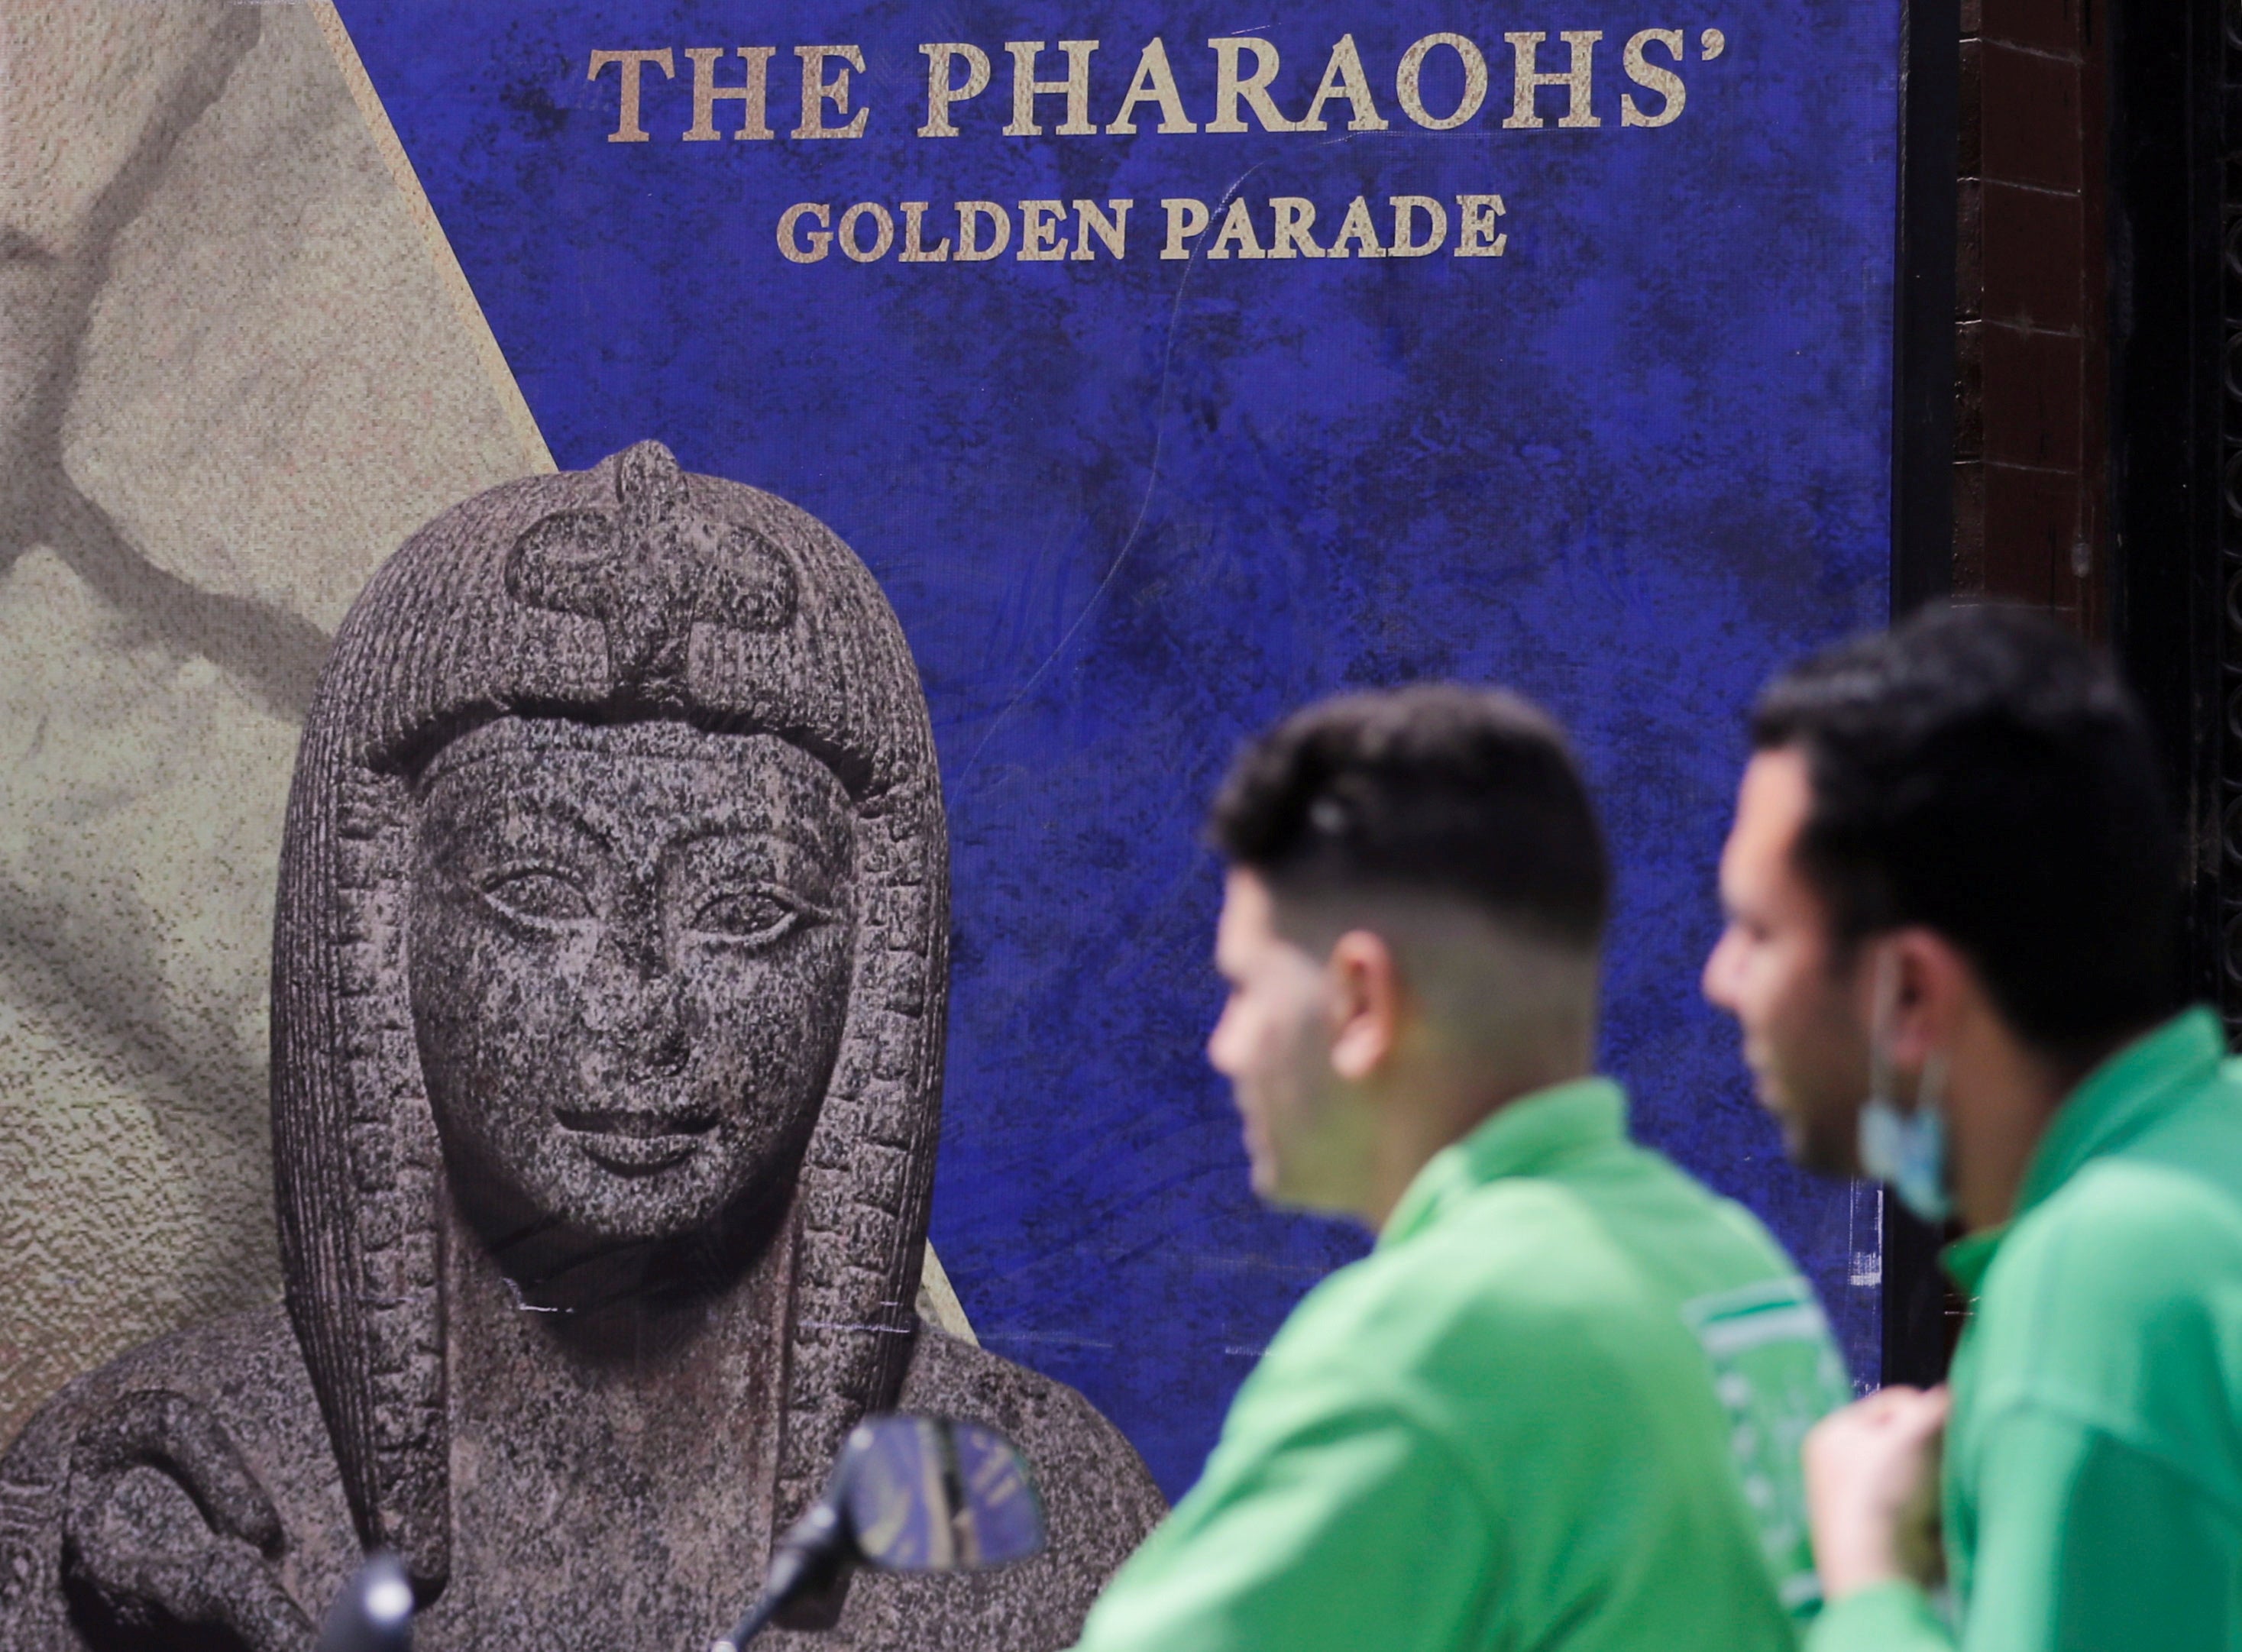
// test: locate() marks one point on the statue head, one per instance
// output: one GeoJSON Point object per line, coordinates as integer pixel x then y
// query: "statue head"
{"type": "Point", "coordinates": [613, 903]}
{"type": "Point", "coordinates": [627, 946]}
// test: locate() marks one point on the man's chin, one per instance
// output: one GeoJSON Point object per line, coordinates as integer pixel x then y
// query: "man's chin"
{"type": "Point", "coordinates": [1827, 1147]}
{"type": "Point", "coordinates": [1771, 1103]}
{"type": "Point", "coordinates": [1271, 1187]}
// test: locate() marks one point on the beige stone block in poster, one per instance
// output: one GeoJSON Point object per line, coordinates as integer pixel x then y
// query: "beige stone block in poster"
{"type": "Point", "coordinates": [235, 372]}
{"type": "Point", "coordinates": [238, 365]}
{"type": "Point", "coordinates": [135, 893]}
{"type": "Point", "coordinates": [278, 446]}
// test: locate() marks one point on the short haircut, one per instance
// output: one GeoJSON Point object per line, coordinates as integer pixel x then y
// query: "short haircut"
{"type": "Point", "coordinates": [1977, 771]}
{"type": "Point", "coordinates": [1440, 792]}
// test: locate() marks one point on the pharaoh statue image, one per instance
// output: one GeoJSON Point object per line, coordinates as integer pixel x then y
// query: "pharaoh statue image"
{"type": "Point", "coordinates": [608, 983]}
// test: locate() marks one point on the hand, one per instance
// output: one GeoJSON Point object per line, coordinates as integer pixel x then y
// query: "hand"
{"type": "Point", "coordinates": [1871, 1481]}
{"type": "Point", "coordinates": [159, 1574]}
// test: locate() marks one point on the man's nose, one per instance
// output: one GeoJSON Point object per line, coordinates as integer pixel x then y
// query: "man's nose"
{"type": "Point", "coordinates": [1218, 1041]}
{"type": "Point", "coordinates": [1719, 966]}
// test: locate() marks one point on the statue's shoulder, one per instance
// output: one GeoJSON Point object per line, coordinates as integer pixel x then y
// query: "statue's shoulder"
{"type": "Point", "coordinates": [1099, 1503]}
{"type": "Point", "coordinates": [1099, 1491]}
{"type": "Point", "coordinates": [244, 1368]}
{"type": "Point", "coordinates": [245, 1362]}
{"type": "Point", "coordinates": [228, 1403]}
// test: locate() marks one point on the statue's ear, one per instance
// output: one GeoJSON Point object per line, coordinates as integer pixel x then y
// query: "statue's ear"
{"type": "Point", "coordinates": [750, 585]}
{"type": "Point", "coordinates": [564, 561]}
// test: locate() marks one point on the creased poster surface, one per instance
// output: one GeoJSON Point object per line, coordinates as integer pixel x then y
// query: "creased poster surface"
{"type": "Point", "coordinates": [1168, 366]}
{"type": "Point", "coordinates": [231, 383]}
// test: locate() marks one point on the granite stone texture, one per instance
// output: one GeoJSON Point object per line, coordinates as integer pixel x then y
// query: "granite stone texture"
{"type": "Point", "coordinates": [248, 1371]}
{"type": "Point", "coordinates": [230, 381]}
{"type": "Point", "coordinates": [610, 977]}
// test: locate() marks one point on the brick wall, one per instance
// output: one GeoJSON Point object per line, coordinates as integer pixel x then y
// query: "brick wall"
{"type": "Point", "coordinates": [2030, 469]}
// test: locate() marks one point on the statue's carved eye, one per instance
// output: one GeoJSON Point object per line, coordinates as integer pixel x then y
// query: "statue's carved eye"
{"type": "Point", "coordinates": [537, 894]}
{"type": "Point", "coordinates": [756, 916]}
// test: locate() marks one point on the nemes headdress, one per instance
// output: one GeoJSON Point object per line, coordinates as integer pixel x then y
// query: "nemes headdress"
{"type": "Point", "coordinates": [627, 591]}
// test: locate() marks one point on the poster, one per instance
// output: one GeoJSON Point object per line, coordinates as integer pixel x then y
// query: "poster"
{"type": "Point", "coordinates": [1167, 366]}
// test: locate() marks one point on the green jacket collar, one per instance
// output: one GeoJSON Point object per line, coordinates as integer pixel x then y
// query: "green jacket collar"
{"type": "Point", "coordinates": [2116, 1102]}
{"type": "Point", "coordinates": [1530, 1136]}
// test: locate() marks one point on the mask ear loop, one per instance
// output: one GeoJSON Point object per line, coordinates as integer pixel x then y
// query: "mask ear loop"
{"type": "Point", "coordinates": [1882, 1010]}
{"type": "Point", "coordinates": [1905, 1151]}
{"type": "Point", "coordinates": [1930, 1088]}
{"type": "Point", "coordinates": [1930, 1084]}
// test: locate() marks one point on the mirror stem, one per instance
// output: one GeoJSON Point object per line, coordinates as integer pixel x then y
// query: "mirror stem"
{"type": "Point", "coordinates": [758, 1615]}
{"type": "Point", "coordinates": [815, 1541]}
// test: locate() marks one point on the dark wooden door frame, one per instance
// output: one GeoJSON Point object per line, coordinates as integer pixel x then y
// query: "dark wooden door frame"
{"type": "Point", "coordinates": [1923, 364]}
{"type": "Point", "coordinates": [1924, 305]}
{"type": "Point", "coordinates": [2176, 472]}
{"type": "Point", "coordinates": [2173, 220]}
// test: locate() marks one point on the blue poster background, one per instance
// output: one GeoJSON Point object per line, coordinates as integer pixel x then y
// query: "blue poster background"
{"type": "Point", "coordinates": [1129, 511]}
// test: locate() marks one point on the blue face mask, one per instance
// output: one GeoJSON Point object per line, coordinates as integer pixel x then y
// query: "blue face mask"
{"type": "Point", "coordinates": [1909, 1152]}
{"type": "Point", "coordinates": [1906, 1151]}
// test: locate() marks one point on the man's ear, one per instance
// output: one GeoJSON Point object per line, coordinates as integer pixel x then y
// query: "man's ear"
{"type": "Point", "coordinates": [1366, 1002]}
{"type": "Point", "coordinates": [1935, 988]}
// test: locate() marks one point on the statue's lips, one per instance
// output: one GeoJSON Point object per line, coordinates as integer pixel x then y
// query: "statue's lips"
{"type": "Point", "coordinates": [632, 1142]}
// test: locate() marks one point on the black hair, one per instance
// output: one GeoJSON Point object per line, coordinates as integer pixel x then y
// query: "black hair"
{"type": "Point", "coordinates": [1978, 771]}
{"type": "Point", "coordinates": [1439, 789]}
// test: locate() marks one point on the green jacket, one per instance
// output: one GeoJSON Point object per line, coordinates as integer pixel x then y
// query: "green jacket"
{"type": "Point", "coordinates": [1558, 1407]}
{"type": "Point", "coordinates": [2093, 1464]}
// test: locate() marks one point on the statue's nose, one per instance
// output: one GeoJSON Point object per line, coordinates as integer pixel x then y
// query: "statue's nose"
{"type": "Point", "coordinates": [633, 998]}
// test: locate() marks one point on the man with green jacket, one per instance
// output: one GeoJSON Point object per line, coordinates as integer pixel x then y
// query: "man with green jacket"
{"type": "Point", "coordinates": [1559, 1405]}
{"type": "Point", "coordinates": [1951, 888]}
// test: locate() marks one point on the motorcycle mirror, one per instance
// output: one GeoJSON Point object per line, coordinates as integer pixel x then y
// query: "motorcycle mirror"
{"type": "Point", "coordinates": [909, 1494]}
{"type": "Point", "coordinates": [931, 1495]}
{"type": "Point", "coordinates": [373, 1613]}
